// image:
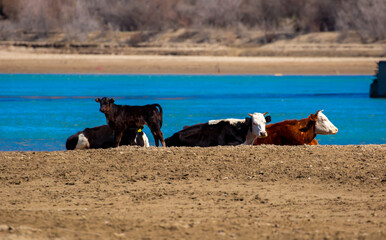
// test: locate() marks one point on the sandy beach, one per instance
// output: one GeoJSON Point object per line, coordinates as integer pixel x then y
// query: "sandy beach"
{"type": "Point", "coordinates": [244, 192]}
{"type": "Point", "coordinates": [29, 62]}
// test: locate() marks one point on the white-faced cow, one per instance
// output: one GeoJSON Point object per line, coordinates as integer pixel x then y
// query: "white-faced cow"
{"type": "Point", "coordinates": [222, 132]}
{"type": "Point", "coordinates": [122, 117]}
{"type": "Point", "coordinates": [102, 137]}
{"type": "Point", "coordinates": [298, 132]}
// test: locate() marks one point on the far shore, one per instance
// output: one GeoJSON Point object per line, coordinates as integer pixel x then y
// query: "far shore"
{"type": "Point", "coordinates": [29, 62]}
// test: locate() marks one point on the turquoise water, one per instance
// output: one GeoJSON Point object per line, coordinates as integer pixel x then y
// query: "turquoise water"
{"type": "Point", "coordinates": [39, 111]}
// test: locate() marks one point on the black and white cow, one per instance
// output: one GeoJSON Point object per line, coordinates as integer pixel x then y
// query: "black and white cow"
{"type": "Point", "coordinates": [103, 137]}
{"type": "Point", "coordinates": [222, 132]}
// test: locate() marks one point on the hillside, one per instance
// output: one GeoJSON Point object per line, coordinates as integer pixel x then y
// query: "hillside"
{"type": "Point", "coordinates": [205, 43]}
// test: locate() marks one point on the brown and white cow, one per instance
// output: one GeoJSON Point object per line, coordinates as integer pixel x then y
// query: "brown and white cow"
{"type": "Point", "coordinates": [221, 132]}
{"type": "Point", "coordinates": [122, 117]}
{"type": "Point", "coordinates": [298, 132]}
{"type": "Point", "coordinates": [102, 137]}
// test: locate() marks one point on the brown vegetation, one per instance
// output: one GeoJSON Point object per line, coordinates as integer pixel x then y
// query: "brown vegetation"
{"type": "Point", "coordinates": [38, 19]}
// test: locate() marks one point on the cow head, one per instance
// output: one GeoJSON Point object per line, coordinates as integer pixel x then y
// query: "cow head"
{"type": "Point", "coordinates": [258, 124]}
{"type": "Point", "coordinates": [323, 126]}
{"type": "Point", "coordinates": [106, 104]}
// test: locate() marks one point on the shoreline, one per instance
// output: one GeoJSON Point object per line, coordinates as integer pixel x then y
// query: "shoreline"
{"type": "Point", "coordinates": [27, 62]}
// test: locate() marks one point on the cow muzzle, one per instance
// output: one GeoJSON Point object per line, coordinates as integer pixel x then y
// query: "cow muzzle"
{"type": "Point", "coordinates": [263, 134]}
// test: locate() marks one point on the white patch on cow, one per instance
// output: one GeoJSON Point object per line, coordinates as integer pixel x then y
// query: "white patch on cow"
{"type": "Point", "coordinates": [258, 128]}
{"type": "Point", "coordinates": [232, 121]}
{"type": "Point", "coordinates": [323, 126]}
{"type": "Point", "coordinates": [82, 142]}
{"type": "Point", "coordinates": [145, 140]}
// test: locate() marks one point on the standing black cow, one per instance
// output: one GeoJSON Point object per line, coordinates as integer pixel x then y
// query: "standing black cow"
{"type": "Point", "coordinates": [122, 117]}
{"type": "Point", "coordinates": [221, 132]}
{"type": "Point", "coordinates": [102, 137]}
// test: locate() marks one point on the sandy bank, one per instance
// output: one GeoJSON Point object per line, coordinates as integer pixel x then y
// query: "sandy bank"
{"type": "Point", "coordinates": [26, 62]}
{"type": "Point", "coordinates": [244, 192]}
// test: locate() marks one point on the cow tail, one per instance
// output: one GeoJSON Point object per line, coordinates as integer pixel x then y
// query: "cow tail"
{"type": "Point", "coordinates": [161, 113]}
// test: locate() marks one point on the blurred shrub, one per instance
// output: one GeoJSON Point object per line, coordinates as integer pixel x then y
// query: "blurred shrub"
{"type": "Point", "coordinates": [367, 17]}
{"type": "Point", "coordinates": [76, 18]}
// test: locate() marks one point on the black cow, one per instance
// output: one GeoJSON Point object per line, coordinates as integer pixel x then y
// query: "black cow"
{"type": "Point", "coordinates": [221, 132]}
{"type": "Point", "coordinates": [102, 137]}
{"type": "Point", "coordinates": [122, 117]}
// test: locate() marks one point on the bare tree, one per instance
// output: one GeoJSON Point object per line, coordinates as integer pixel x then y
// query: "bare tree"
{"type": "Point", "coordinates": [37, 16]}
{"type": "Point", "coordinates": [367, 17]}
{"type": "Point", "coordinates": [76, 19]}
{"type": "Point", "coordinates": [218, 13]}
{"type": "Point", "coordinates": [263, 14]}
{"type": "Point", "coordinates": [119, 15]}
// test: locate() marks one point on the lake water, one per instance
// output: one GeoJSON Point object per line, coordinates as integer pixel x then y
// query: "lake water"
{"type": "Point", "coordinates": [39, 111]}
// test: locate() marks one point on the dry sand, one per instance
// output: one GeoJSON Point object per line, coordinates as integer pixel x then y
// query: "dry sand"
{"type": "Point", "coordinates": [244, 192]}
{"type": "Point", "coordinates": [29, 62]}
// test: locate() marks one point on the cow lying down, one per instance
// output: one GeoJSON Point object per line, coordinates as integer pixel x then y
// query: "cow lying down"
{"type": "Point", "coordinates": [103, 137]}
{"type": "Point", "coordinates": [221, 132]}
{"type": "Point", "coordinates": [298, 132]}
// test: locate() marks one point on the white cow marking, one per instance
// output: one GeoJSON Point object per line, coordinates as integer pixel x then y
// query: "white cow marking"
{"type": "Point", "coordinates": [323, 126]}
{"type": "Point", "coordinates": [82, 142]}
{"type": "Point", "coordinates": [258, 128]}
{"type": "Point", "coordinates": [232, 121]}
{"type": "Point", "coordinates": [145, 140]}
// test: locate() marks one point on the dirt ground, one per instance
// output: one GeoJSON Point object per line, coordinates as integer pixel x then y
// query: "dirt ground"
{"type": "Point", "coordinates": [243, 192]}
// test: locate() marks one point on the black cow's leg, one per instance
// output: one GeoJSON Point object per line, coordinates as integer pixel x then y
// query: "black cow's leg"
{"type": "Point", "coordinates": [155, 137]}
{"type": "Point", "coordinates": [161, 138]}
{"type": "Point", "coordinates": [117, 138]}
{"type": "Point", "coordinates": [157, 134]}
{"type": "Point", "coordinates": [153, 129]}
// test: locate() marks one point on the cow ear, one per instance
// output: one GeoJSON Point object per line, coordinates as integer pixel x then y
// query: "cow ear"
{"type": "Point", "coordinates": [97, 100]}
{"type": "Point", "coordinates": [250, 114]}
{"type": "Point", "coordinates": [312, 117]}
{"type": "Point", "coordinates": [268, 119]}
{"type": "Point", "coordinates": [112, 100]}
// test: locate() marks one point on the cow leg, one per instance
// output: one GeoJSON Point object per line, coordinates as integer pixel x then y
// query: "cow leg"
{"type": "Point", "coordinates": [155, 137]}
{"type": "Point", "coordinates": [161, 138]}
{"type": "Point", "coordinates": [117, 138]}
{"type": "Point", "coordinates": [158, 136]}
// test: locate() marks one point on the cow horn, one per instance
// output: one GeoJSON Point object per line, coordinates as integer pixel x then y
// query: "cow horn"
{"type": "Point", "coordinates": [250, 114]}
{"type": "Point", "coordinates": [265, 113]}
{"type": "Point", "coordinates": [318, 112]}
